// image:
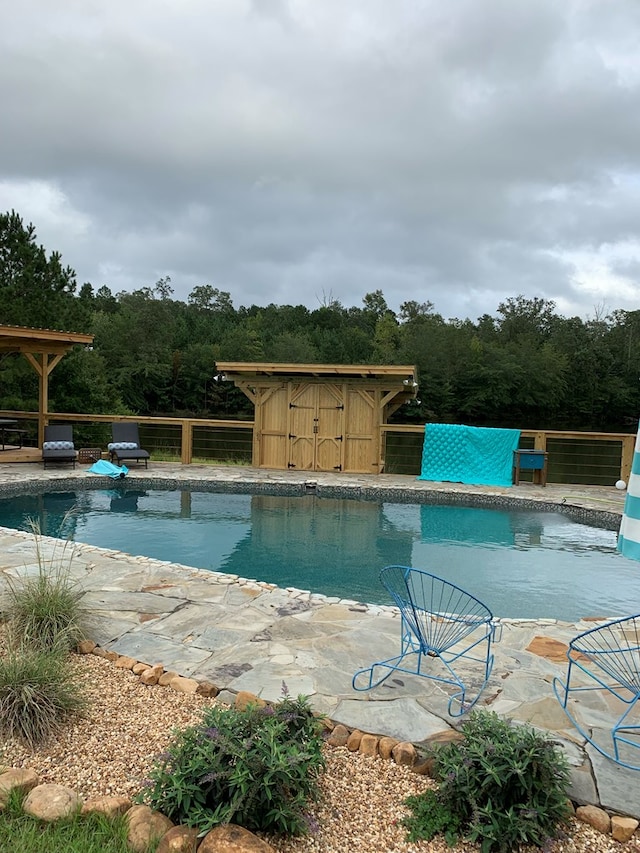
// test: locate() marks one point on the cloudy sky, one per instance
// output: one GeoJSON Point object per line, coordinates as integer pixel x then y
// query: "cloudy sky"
{"type": "Point", "coordinates": [298, 151]}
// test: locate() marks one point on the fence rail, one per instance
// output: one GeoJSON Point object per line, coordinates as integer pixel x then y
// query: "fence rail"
{"type": "Point", "coordinates": [587, 458]}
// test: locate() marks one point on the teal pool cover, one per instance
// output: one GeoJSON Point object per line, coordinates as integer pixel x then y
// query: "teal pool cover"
{"type": "Point", "coordinates": [480, 456]}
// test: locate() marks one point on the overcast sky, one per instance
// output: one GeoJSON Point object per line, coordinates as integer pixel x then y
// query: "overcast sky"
{"type": "Point", "coordinates": [298, 151]}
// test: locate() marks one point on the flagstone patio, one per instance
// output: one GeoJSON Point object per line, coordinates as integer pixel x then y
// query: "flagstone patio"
{"type": "Point", "coordinates": [244, 634]}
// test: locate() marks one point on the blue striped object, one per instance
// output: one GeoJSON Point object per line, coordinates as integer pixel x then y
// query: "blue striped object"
{"type": "Point", "coordinates": [629, 537]}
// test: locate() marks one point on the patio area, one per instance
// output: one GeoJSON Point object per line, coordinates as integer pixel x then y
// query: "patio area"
{"type": "Point", "coordinates": [244, 634]}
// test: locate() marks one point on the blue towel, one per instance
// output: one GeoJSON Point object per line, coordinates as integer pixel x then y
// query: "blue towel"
{"type": "Point", "coordinates": [474, 455]}
{"type": "Point", "coordinates": [103, 467]}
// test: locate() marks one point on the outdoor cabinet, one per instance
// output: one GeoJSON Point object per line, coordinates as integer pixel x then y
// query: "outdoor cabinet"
{"type": "Point", "coordinates": [321, 417]}
{"type": "Point", "coordinates": [530, 460]}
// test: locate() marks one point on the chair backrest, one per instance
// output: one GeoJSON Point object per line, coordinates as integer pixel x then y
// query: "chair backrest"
{"type": "Point", "coordinates": [125, 431]}
{"type": "Point", "coordinates": [439, 613]}
{"type": "Point", "coordinates": [58, 432]}
{"type": "Point", "coordinates": [615, 648]}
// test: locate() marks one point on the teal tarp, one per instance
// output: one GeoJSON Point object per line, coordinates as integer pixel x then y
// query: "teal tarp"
{"type": "Point", "coordinates": [479, 456]}
{"type": "Point", "coordinates": [103, 467]}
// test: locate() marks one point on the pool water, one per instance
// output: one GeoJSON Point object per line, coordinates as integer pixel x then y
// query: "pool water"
{"type": "Point", "coordinates": [519, 563]}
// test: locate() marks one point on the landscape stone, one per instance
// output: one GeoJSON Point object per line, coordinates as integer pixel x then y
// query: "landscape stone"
{"type": "Point", "coordinates": [125, 662]}
{"type": "Point", "coordinates": [167, 677]}
{"type": "Point", "coordinates": [111, 806]}
{"type": "Point", "coordinates": [85, 647]}
{"type": "Point", "coordinates": [207, 688]}
{"type": "Point", "coordinates": [51, 802]}
{"type": "Point", "coordinates": [385, 746]}
{"type": "Point", "coordinates": [233, 839]}
{"type": "Point", "coordinates": [339, 736]}
{"type": "Point", "coordinates": [152, 675]}
{"type": "Point", "coordinates": [145, 827]}
{"type": "Point", "coordinates": [353, 741]}
{"type": "Point", "coordinates": [622, 828]}
{"type": "Point", "coordinates": [404, 753]}
{"type": "Point", "coordinates": [183, 685]}
{"type": "Point", "coordinates": [368, 745]}
{"type": "Point", "coordinates": [595, 817]}
{"type": "Point", "coordinates": [179, 839]}
{"type": "Point", "coordinates": [244, 698]}
{"type": "Point", "coordinates": [23, 779]}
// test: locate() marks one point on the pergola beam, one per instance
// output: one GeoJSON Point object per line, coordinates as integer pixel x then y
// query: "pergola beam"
{"type": "Point", "coordinates": [43, 349]}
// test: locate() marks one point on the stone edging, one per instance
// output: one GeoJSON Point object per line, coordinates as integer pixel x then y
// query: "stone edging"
{"type": "Point", "coordinates": [405, 753]}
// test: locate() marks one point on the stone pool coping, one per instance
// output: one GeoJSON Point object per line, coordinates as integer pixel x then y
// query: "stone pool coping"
{"type": "Point", "coordinates": [244, 634]}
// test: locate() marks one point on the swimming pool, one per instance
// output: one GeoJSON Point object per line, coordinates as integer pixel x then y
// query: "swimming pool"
{"type": "Point", "coordinates": [521, 563]}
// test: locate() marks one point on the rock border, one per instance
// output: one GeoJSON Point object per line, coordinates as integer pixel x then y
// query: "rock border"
{"type": "Point", "coordinates": [620, 827]}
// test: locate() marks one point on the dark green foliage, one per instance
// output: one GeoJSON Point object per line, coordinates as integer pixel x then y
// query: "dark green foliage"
{"type": "Point", "coordinates": [38, 691]}
{"type": "Point", "coordinates": [525, 367]}
{"type": "Point", "coordinates": [431, 817]}
{"type": "Point", "coordinates": [257, 768]}
{"type": "Point", "coordinates": [91, 833]}
{"type": "Point", "coordinates": [35, 290]}
{"type": "Point", "coordinates": [504, 786]}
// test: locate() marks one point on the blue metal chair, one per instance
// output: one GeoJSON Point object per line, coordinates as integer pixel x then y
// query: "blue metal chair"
{"type": "Point", "coordinates": [439, 621]}
{"type": "Point", "coordinates": [608, 654]}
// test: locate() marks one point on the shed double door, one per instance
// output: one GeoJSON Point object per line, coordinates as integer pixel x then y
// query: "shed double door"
{"type": "Point", "coordinates": [316, 428]}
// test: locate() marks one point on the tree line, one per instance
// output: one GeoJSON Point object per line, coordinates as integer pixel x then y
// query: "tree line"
{"type": "Point", "coordinates": [526, 366]}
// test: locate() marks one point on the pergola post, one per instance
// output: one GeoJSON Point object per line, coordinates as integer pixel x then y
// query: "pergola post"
{"type": "Point", "coordinates": [43, 349]}
{"type": "Point", "coordinates": [43, 368]}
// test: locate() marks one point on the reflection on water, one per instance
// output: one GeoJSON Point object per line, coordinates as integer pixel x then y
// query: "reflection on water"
{"type": "Point", "coordinates": [519, 563]}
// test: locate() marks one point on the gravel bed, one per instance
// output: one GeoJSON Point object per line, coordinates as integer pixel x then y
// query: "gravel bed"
{"type": "Point", "coordinates": [109, 750]}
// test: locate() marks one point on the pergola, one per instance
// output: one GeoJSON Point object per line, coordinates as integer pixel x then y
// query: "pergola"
{"type": "Point", "coordinates": [43, 349]}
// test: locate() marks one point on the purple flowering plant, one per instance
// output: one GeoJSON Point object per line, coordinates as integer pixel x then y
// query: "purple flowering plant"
{"type": "Point", "coordinates": [503, 786]}
{"type": "Point", "coordinates": [258, 768]}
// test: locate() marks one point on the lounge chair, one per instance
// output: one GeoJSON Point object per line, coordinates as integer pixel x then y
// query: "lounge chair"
{"type": "Point", "coordinates": [57, 447]}
{"type": "Point", "coordinates": [605, 659]}
{"type": "Point", "coordinates": [126, 444]}
{"type": "Point", "coordinates": [442, 626]}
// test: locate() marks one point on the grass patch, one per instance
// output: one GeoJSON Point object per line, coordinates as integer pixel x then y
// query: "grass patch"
{"type": "Point", "coordinates": [38, 691]}
{"type": "Point", "coordinates": [92, 833]}
{"type": "Point", "coordinates": [44, 611]}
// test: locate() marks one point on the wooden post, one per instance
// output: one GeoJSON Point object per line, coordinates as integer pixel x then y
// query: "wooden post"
{"type": "Point", "coordinates": [43, 368]}
{"type": "Point", "coordinates": [626, 458]}
{"type": "Point", "coordinates": [186, 449]}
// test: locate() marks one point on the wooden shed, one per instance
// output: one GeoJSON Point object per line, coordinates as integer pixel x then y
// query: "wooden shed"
{"type": "Point", "coordinates": [321, 417]}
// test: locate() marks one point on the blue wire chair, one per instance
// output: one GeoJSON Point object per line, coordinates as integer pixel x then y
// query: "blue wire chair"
{"type": "Point", "coordinates": [439, 620]}
{"type": "Point", "coordinates": [610, 655]}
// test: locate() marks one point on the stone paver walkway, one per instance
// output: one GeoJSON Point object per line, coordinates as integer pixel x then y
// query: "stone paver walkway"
{"type": "Point", "coordinates": [247, 635]}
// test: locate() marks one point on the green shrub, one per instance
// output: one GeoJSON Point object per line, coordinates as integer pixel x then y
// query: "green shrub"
{"type": "Point", "coordinates": [258, 768]}
{"type": "Point", "coordinates": [38, 690]}
{"type": "Point", "coordinates": [504, 786]}
{"type": "Point", "coordinates": [44, 610]}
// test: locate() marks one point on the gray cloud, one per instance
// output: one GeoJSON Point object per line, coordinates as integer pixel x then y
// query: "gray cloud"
{"type": "Point", "coordinates": [286, 149]}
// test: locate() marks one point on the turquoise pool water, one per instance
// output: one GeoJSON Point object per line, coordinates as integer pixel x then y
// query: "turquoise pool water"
{"type": "Point", "coordinates": [519, 563]}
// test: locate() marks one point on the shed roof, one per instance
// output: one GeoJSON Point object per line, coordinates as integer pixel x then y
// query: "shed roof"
{"type": "Point", "coordinates": [24, 339]}
{"type": "Point", "coordinates": [359, 371]}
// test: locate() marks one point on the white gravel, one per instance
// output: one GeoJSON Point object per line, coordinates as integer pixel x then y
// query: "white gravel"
{"type": "Point", "coordinates": [111, 748]}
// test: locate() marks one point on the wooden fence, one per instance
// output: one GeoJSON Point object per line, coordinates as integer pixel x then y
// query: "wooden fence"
{"type": "Point", "coordinates": [588, 458]}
